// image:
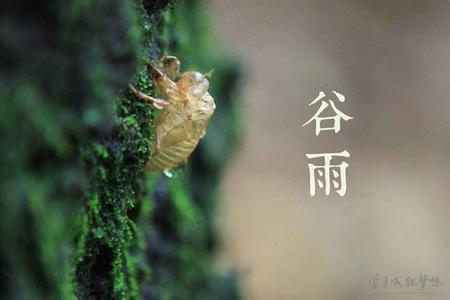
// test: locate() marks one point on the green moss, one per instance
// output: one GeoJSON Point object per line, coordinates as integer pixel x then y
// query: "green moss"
{"type": "Point", "coordinates": [56, 99]}
{"type": "Point", "coordinates": [107, 267]}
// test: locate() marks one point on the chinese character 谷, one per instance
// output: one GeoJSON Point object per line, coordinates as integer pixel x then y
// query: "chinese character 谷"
{"type": "Point", "coordinates": [336, 118]}
{"type": "Point", "coordinates": [327, 173]}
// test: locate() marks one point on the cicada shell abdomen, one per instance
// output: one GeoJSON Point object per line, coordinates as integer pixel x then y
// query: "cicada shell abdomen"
{"type": "Point", "coordinates": [170, 156]}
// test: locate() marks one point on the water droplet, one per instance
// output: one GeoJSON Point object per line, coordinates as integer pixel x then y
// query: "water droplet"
{"type": "Point", "coordinates": [168, 173]}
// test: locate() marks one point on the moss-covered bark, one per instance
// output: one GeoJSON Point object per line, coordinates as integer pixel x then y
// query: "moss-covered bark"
{"type": "Point", "coordinates": [79, 216]}
{"type": "Point", "coordinates": [184, 235]}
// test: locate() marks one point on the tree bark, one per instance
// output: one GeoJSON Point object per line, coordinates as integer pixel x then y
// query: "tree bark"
{"type": "Point", "coordinates": [79, 217]}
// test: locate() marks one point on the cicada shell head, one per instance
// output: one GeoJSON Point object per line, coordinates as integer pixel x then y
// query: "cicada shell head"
{"type": "Point", "coordinates": [170, 65]}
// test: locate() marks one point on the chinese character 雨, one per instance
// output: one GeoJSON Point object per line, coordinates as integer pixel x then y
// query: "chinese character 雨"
{"type": "Point", "coordinates": [336, 118]}
{"type": "Point", "coordinates": [327, 174]}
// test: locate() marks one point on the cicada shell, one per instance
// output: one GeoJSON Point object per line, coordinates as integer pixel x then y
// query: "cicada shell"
{"type": "Point", "coordinates": [187, 109]}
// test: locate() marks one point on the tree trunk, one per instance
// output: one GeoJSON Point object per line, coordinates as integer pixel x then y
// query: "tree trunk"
{"type": "Point", "coordinates": [79, 216]}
